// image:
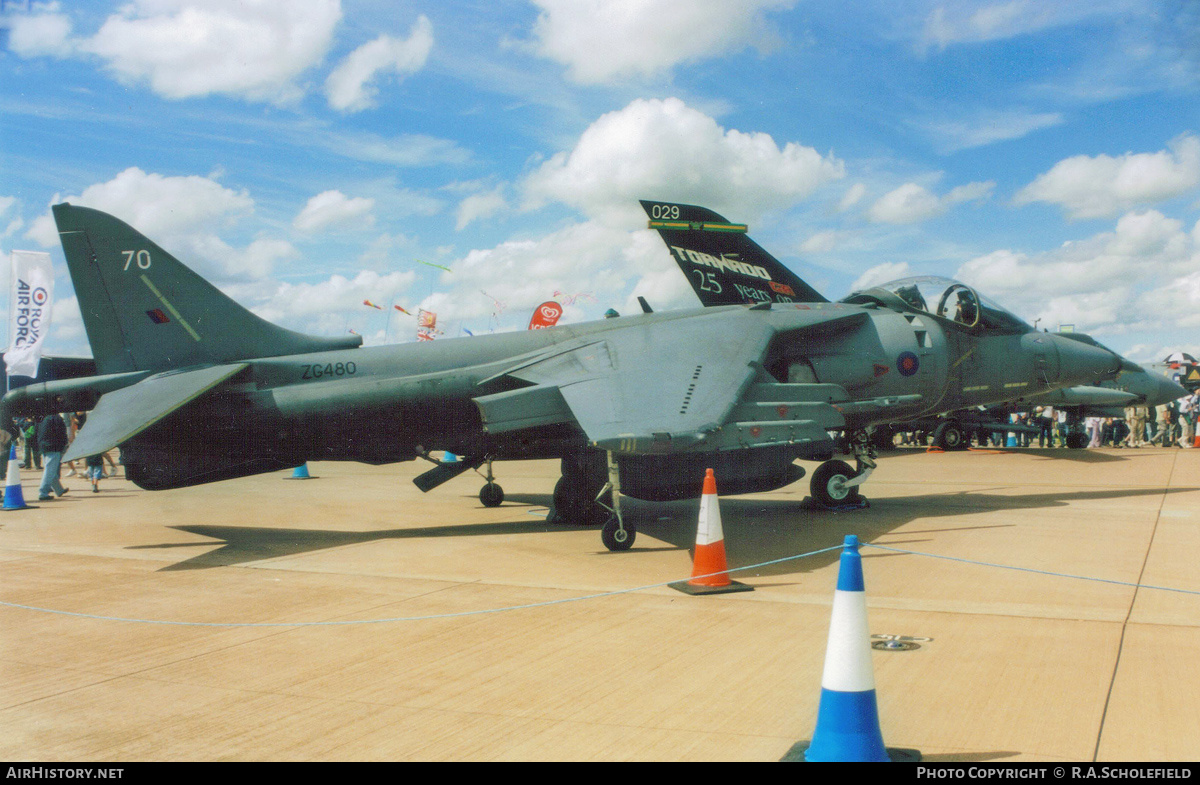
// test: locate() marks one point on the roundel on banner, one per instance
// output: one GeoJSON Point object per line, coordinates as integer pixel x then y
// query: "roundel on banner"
{"type": "Point", "coordinates": [907, 363]}
{"type": "Point", "coordinates": [545, 315]}
{"type": "Point", "coordinates": [39, 296]}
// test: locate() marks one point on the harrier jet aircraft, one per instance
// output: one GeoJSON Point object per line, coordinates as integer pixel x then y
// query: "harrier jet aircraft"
{"type": "Point", "coordinates": [195, 388]}
{"type": "Point", "coordinates": [724, 267]}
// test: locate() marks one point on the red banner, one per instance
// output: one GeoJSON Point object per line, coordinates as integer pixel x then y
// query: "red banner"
{"type": "Point", "coordinates": [545, 315]}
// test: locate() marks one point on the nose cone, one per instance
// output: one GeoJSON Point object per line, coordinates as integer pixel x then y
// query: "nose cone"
{"type": "Point", "coordinates": [1164, 391]}
{"type": "Point", "coordinates": [1083, 363]}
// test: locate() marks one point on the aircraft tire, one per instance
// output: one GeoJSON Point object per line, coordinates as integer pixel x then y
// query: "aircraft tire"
{"type": "Point", "coordinates": [491, 495]}
{"type": "Point", "coordinates": [1077, 441]}
{"type": "Point", "coordinates": [883, 438]}
{"type": "Point", "coordinates": [568, 502]}
{"type": "Point", "coordinates": [950, 436]}
{"type": "Point", "coordinates": [614, 538]}
{"type": "Point", "coordinates": [828, 484]}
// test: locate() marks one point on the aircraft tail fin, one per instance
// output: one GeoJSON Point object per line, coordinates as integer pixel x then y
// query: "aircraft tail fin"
{"type": "Point", "coordinates": [145, 310]}
{"type": "Point", "coordinates": [723, 265]}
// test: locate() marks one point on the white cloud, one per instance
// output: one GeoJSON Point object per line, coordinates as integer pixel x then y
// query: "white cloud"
{"type": "Point", "coordinates": [853, 196]}
{"type": "Point", "coordinates": [380, 254]}
{"type": "Point", "coordinates": [47, 33]}
{"type": "Point", "coordinates": [600, 265]}
{"type": "Point", "coordinates": [988, 128]}
{"type": "Point", "coordinates": [821, 242]}
{"type": "Point", "coordinates": [912, 203]}
{"type": "Point", "coordinates": [334, 297]}
{"type": "Point", "coordinates": [259, 258]}
{"type": "Point", "coordinates": [608, 40]}
{"type": "Point", "coordinates": [972, 22]}
{"type": "Point", "coordinates": [880, 274]}
{"type": "Point", "coordinates": [480, 206]}
{"type": "Point", "coordinates": [181, 214]}
{"type": "Point", "coordinates": [350, 88]}
{"type": "Point", "coordinates": [1103, 186]}
{"type": "Point", "coordinates": [334, 208]}
{"type": "Point", "coordinates": [664, 149]}
{"type": "Point", "coordinates": [249, 49]}
{"type": "Point", "coordinates": [66, 328]}
{"type": "Point", "coordinates": [156, 205]}
{"type": "Point", "coordinates": [1181, 300]}
{"type": "Point", "coordinates": [971, 192]}
{"type": "Point", "coordinates": [1111, 282]}
{"type": "Point", "coordinates": [909, 203]}
{"type": "Point", "coordinates": [402, 150]}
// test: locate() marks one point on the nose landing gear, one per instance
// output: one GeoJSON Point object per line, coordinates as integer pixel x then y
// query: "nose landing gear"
{"type": "Point", "coordinates": [836, 484]}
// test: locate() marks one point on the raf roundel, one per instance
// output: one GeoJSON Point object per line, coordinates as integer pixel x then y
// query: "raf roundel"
{"type": "Point", "coordinates": [907, 363]}
{"type": "Point", "coordinates": [39, 296]}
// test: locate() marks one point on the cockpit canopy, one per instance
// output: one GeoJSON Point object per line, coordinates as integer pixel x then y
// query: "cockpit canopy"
{"type": "Point", "coordinates": [944, 298]}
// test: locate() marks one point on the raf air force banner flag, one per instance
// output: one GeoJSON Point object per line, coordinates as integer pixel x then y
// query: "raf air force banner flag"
{"type": "Point", "coordinates": [29, 311]}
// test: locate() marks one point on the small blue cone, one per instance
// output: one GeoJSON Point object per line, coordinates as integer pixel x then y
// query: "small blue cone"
{"type": "Point", "coordinates": [1012, 440]}
{"type": "Point", "coordinates": [300, 473]}
{"type": "Point", "coordinates": [449, 457]}
{"type": "Point", "coordinates": [848, 715]}
{"type": "Point", "coordinates": [14, 497]}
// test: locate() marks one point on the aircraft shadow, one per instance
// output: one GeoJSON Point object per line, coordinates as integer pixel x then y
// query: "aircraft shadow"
{"type": "Point", "coordinates": [756, 530]}
{"type": "Point", "coordinates": [243, 544]}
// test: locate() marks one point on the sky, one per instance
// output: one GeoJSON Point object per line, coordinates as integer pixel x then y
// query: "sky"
{"type": "Point", "coordinates": [478, 158]}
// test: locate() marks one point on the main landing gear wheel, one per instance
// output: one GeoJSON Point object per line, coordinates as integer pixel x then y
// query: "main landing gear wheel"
{"type": "Point", "coordinates": [1077, 441]}
{"type": "Point", "coordinates": [950, 436]}
{"type": "Point", "coordinates": [576, 504]}
{"type": "Point", "coordinates": [491, 495]}
{"type": "Point", "coordinates": [829, 487]}
{"type": "Point", "coordinates": [615, 537]}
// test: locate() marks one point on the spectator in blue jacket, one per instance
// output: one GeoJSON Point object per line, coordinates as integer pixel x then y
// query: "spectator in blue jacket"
{"type": "Point", "coordinates": [52, 440]}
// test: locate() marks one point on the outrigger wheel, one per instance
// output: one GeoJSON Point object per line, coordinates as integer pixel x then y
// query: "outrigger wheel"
{"type": "Point", "coordinates": [491, 495]}
{"type": "Point", "coordinates": [828, 484]}
{"type": "Point", "coordinates": [616, 537]}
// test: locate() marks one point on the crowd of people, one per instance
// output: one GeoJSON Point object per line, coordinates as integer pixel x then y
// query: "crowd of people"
{"type": "Point", "coordinates": [1169, 425]}
{"type": "Point", "coordinates": [42, 442]}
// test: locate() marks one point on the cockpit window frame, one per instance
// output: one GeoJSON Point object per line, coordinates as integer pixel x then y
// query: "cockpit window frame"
{"type": "Point", "coordinates": [909, 294]}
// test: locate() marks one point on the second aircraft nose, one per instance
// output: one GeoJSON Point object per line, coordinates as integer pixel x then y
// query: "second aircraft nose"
{"type": "Point", "coordinates": [1166, 389]}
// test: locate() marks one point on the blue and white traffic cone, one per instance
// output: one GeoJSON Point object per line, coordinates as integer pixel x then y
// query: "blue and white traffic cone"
{"type": "Point", "coordinates": [300, 473]}
{"type": "Point", "coordinates": [14, 497]}
{"type": "Point", "coordinates": [848, 715]}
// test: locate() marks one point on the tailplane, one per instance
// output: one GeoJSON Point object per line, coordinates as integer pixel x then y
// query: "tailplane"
{"type": "Point", "coordinates": [145, 310]}
{"type": "Point", "coordinates": [723, 265]}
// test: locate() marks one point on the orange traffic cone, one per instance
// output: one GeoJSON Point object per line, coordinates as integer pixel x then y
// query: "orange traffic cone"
{"type": "Point", "coordinates": [710, 574]}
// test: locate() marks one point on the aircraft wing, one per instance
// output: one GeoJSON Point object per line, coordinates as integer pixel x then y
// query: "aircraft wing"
{"type": "Point", "coordinates": [122, 414]}
{"type": "Point", "coordinates": [663, 388]}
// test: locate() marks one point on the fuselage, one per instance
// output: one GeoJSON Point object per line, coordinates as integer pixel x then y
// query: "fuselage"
{"type": "Point", "coordinates": [392, 403]}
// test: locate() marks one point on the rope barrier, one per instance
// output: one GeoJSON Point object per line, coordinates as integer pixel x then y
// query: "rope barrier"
{"type": "Point", "coordinates": [481, 612]}
{"type": "Point", "coordinates": [1030, 569]}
